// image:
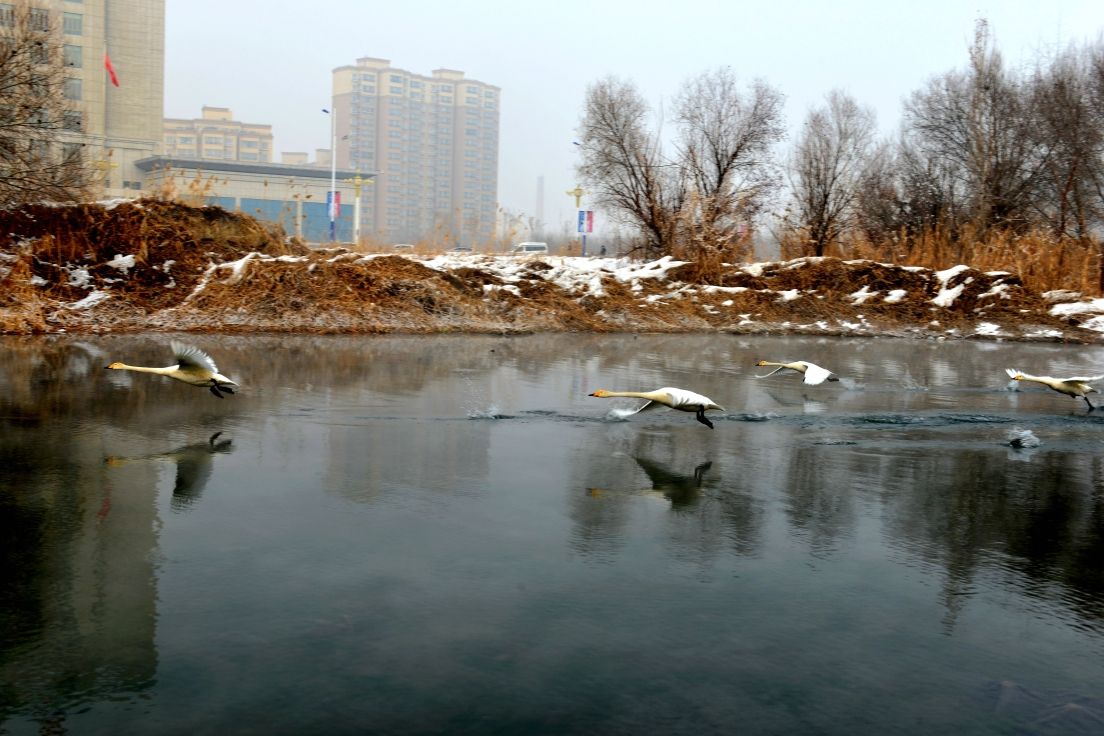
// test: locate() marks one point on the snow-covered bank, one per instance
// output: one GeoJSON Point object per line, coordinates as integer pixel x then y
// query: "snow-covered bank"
{"type": "Point", "coordinates": [201, 281]}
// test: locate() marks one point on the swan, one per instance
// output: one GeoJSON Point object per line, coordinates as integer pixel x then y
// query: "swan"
{"type": "Point", "coordinates": [193, 366]}
{"type": "Point", "coordinates": [674, 398]}
{"type": "Point", "coordinates": [1075, 387]}
{"type": "Point", "coordinates": [814, 374]}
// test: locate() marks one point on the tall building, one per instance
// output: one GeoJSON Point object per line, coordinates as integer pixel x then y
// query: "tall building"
{"type": "Point", "coordinates": [217, 136]}
{"type": "Point", "coordinates": [432, 143]}
{"type": "Point", "coordinates": [116, 124]}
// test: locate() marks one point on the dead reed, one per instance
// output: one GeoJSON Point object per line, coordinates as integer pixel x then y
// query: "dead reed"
{"type": "Point", "coordinates": [1042, 261]}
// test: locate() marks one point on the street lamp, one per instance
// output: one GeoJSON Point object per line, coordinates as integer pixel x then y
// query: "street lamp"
{"type": "Point", "coordinates": [578, 193]}
{"type": "Point", "coordinates": [333, 173]}
{"type": "Point", "coordinates": [358, 181]}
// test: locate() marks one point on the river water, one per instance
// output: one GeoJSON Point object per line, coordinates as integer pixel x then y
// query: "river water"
{"type": "Point", "coordinates": [447, 535]}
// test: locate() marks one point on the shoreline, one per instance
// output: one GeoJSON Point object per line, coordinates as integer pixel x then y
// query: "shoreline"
{"type": "Point", "coordinates": [152, 266]}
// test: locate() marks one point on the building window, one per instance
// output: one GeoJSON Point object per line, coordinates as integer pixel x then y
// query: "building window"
{"type": "Point", "coordinates": [71, 120]}
{"type": "Point", "coordinates": [40, 19]}
{"type": "Point", "coordinates": [73, 55]}
{"type": "Point", "coordinates": [7, 16]}
{"type": "Point", "coordinates": [72, 88]}
{"type": "Point", "coordinates": [72, 24]}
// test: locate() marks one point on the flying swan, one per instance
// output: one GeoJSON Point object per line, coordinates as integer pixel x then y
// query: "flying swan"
{"type": "Point", "coordinates": [193, 366]}
{"type": "Point", "coordinates": [1075, 387]}
{"type": "Point", "coordinates": [674, 398]}
{"type": "Point", "coordinates": [814, 374]}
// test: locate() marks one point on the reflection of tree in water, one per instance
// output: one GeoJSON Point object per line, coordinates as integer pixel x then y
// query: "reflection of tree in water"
{"type": "Point", "coordinates": [1042, 520]}
{"type": "Point", "coordinates": [193, 467]}
{"type": "Point", "coordinates": [819, 493]}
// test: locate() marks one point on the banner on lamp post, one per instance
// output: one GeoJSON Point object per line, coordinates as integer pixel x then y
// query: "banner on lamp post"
{"type": "Point", "coordinates": [586, 221]}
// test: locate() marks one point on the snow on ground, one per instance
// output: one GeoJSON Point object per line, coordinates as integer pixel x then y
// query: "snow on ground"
{"type": "Point", "coordinates": [1092, 306]}
{"type": "Point", "coordinates": [94, 297]}
{"type": "Point", "coordinates": [122, 263]}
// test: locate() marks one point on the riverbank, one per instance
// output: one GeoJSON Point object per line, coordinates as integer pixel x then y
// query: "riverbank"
{"type": "Point", "coordinates": [159, 266]}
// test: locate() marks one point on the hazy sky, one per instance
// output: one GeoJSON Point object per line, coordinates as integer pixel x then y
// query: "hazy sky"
{"type": "Point", "coordinates": [270, 61]}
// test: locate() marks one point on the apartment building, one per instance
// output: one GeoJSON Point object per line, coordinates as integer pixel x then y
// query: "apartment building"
{"type": "Point", "coordinates": [116, 121]}
{"type": "Point", "coordinates": [216, 136]}
{"type": "Point", "coordinates": [432, 143]}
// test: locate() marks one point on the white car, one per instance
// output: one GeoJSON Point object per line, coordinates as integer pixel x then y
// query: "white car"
{"type": "Point", "coordinates": [530, 248]}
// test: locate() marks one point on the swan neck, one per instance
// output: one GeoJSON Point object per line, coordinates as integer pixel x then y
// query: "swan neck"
{"type": "Point", "coordinates": [145, 369]}
{"type": "Point", "coordinates": [631, 394]}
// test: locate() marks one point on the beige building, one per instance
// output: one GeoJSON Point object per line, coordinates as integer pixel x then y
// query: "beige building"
{"type": "Point", "coordinates": [216, 136]}
{"type": "Point", "coordinates": [432, 142]}
{"type": "Point", "coordinates": [117, 125]}
{"type": "Point", "coordinates": [295, 196]}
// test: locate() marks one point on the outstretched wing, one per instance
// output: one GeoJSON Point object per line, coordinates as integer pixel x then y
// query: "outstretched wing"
{"type": "Point", "coordinates": [814, 374]}
{"type": "Point", "coordinates": [1082, 379]}
{"type": "Point", "coordinates": [779, 368]}
{"type": "Point", "coordinates": [189, 356]}
{"type": "Point", "coordinates": [651, 405]}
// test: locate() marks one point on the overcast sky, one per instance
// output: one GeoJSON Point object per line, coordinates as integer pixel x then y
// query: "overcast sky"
{"type": "Point", "coordinates": [270, 61]}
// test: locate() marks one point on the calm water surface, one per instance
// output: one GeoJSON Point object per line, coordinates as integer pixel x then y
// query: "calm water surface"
{"type": "Point", "coordinates": [446, 535]}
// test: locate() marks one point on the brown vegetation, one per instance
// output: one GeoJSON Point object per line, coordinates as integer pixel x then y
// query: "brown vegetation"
{"type": "Point", "coordinates": [152, 265]}
{"type": "Point", "coordinates": [1044, 262]}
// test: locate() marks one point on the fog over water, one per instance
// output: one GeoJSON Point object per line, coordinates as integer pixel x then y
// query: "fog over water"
{"type": "Point", "coordinates": [446, 534]}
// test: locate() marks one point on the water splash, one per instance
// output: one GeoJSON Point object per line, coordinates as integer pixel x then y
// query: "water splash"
{"type": "Point", "coordinates": [491, 412]}
{"type": "Point", "coordinates": [1021, 438]}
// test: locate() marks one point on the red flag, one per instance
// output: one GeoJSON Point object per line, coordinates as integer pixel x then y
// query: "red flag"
{"type": "Point", "coordinates": [110, 69]}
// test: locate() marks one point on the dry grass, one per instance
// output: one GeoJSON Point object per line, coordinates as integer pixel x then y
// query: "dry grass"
{"type": "Point", "coordinates": [176, 246]}
{"type": "Point", "coordinates": [1042, 261]}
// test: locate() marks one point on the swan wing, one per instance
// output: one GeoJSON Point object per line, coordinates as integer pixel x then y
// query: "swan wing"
{"type": "Point", "coordinates": [191, 357]}
{"type": "Point", "coordinates": [814, 374]}
{"type": "Point", "coordinates": [651, 405]}
{"type": "Point", "coordinates": [681, 398]}
{"type": "Point", "coordinates": [1082, 379]}
{"type": "Point", "coordinates": [779, 368]}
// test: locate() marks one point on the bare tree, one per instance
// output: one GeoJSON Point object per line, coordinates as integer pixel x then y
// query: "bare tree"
{"type": "Point", "coordinates": [725, 155]}
{"type": "Point", "coordinates": [1062, 96]}
{"type": "Point", "coordinates": [977, 126]}
{"type": "Point", "coordinates": [622, 163]}
{"type": "Point", "coordinates": [718, 179]}
{"type": "Point", "coordinates": [828, 166]}
{"type": "Point", "coordinates": [40, 151]}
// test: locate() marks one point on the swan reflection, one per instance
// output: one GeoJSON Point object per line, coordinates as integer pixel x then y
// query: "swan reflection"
{"type": "Point", "coordinates": [193, 467]}
{"type": "Point", "coordinates": [679, 488]}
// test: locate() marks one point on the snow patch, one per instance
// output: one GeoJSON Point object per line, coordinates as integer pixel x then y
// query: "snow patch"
{"type": "Point", "coordinates": [989, 329]}
{"type": "Point", "coordinates": [860, 296]}
{"type": "Point", "coordinates": [950, 273]}
{"type": "Point", "coordinates": [122, 263]}
{"type": "Point", "coordinates": [946, 297]}
{"type": "Point", "coordinates": [1091, 306]}
{"type": "Point", "coordinates": [895, 296]}
{"type": "Point", "coordinates": [94, 297]}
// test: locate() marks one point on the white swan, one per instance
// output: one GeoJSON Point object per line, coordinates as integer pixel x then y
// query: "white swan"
{"type": "Point", "coordinates": [193, 366]}
{"type": "Point", "coordinates": [814, 374]}
{"type": "Point", "coordinates": [673, 398]}
{"type": "Point", "coordinates": [1077, 387]}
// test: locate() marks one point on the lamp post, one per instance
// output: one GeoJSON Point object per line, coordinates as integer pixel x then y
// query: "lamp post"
{"type": "Point", "coordinates": [333, 173]}
{"type": "Point", "coordinates": [358, 181]}
{"type": "Point", "coordinates": [578, 193]}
